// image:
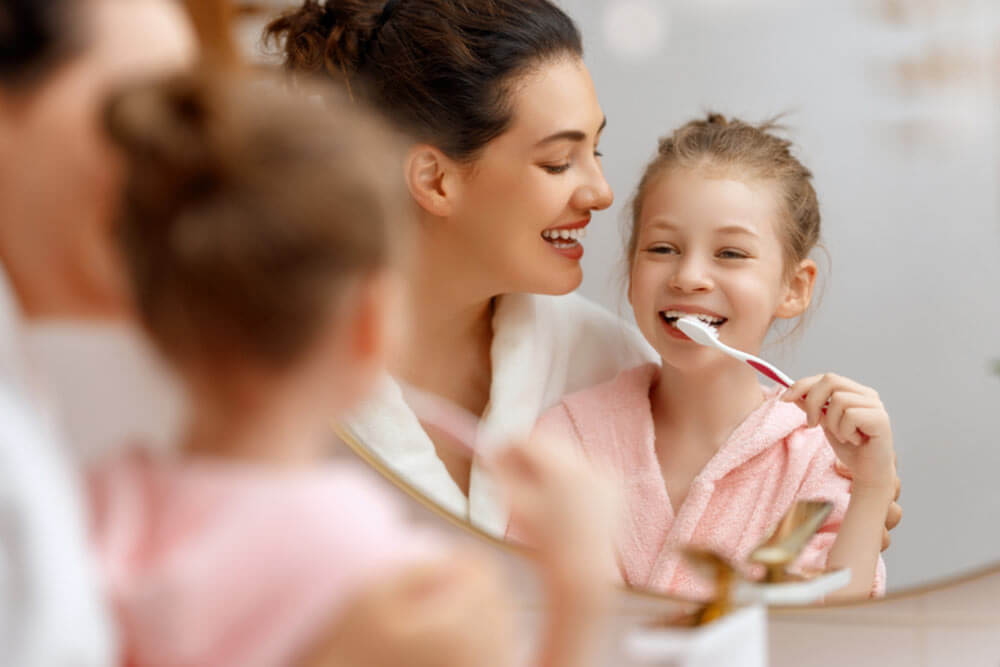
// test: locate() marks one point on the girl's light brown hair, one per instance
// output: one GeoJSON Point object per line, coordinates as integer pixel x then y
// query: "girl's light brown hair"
{"type": "Point", "coordinates": [247, 211]}
{"type": "Point", "coordinates": [734, 147]}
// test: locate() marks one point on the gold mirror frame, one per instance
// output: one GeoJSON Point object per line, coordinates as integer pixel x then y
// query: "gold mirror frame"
{"type": "Point", "coordinates": [362, 452]}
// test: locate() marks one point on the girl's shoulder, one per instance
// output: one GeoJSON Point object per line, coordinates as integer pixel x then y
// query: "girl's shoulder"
{"type": "Point", "coordinates": [181, 496]}
{"type": "Point", "coordinates": [207, 548]}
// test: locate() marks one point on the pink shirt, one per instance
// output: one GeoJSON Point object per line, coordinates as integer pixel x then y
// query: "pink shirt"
{"type": "Point", "coordinates": [223, 563]}
{"type": "Point", "coordinates": [770, 461]}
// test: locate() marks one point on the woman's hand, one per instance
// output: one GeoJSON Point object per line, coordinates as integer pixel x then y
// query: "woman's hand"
{"type": "Point", "coordinates": [857, 426]}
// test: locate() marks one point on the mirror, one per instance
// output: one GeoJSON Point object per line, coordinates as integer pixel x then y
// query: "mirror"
{"type": "Point", "coordinates": [891, 105]}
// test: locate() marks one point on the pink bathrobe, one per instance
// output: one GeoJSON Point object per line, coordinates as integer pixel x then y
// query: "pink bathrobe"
{"type": "Point", "coordinates": [223, 563]}
{"type": "Point", "coordinates": [770, 461]}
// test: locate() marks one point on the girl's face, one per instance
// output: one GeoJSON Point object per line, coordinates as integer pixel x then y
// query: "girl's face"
{"type": "Point", "coordinates": [529, 196]}
{"type": "Point", "coordinates": [710, 246]}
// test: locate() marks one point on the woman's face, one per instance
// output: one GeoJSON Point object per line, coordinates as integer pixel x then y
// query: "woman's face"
{"type": "Point", "coordinates": [528, 198]}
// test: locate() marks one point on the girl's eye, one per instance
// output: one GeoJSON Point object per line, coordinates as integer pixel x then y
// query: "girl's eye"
{"type": "Point", "coordinates": [555, 168]}
{"type": "Point", "coordinates": [662, 250]}
{"type": "Point", "coordinates": [598, 154]}
{"type": "Point", "coordinates": [732, 254]}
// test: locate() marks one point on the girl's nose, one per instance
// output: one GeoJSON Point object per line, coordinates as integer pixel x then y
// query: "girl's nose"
{"type": "Point", "coordinates": [690, 276]}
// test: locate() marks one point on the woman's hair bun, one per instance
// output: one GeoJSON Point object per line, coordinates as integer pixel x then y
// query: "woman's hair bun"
{"type": "Point", "coordinates": [329, 35]}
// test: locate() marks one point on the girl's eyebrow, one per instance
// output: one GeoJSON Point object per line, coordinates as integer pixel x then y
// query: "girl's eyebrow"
{"type": "Point", "coordinates": [737, 229]}
{"type": "Point", "coordinates": [571, 135]}
{"type": "Point", "coordinates": [732, 228]}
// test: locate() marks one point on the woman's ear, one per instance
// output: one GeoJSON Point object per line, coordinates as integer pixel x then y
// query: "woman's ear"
{"type": "Point", "coordinates": [431, 179]}
{"type": "Point", "coordinates": [798, 291]}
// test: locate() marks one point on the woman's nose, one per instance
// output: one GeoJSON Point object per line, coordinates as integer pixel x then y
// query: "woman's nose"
{"type": "Point", "coordinates": [596, 193]}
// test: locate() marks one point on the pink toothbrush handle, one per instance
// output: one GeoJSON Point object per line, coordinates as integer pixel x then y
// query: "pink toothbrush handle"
{"type": "Point", "coordinates": [767, 372]}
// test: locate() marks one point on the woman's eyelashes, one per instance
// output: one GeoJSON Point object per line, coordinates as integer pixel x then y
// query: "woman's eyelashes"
{"type": "Point", "coordinates": [564, 167]}
{"type": "Point", "coordinates": [556, 168]}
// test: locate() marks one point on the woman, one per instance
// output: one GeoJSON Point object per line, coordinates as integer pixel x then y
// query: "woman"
{"type": "Point", "coordinates": [505, 173]}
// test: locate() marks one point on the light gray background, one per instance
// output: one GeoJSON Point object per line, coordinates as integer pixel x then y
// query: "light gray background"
{"type": "Point", "coordinates": [909, 191]}
{"type": "Point", "coordinates": [909, 184]}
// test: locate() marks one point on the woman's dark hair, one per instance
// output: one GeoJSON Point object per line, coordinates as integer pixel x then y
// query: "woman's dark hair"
{"type": "Point", "coordinates": [35, 35]}
{"type": "Point", "coordinates": [247, 213]}
{"type": "Point", "coordinates": [443, 69]}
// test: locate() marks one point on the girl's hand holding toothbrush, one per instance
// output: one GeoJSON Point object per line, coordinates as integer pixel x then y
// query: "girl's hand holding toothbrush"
{"type": "Point", "coordinates": [856, 424]}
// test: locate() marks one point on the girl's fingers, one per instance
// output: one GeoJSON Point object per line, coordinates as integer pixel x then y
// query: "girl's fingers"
{"type": "Point", "coordinates": [839, 403]}
{"type": "Point", "coordinates": [800, 388]}
{"type": "Point", "coordinates": [818, 396]}
{"type": "Point", "coordinates": [865, 423]}
{"type": "Point", "coordinates": [844, 418]}
{"type": "Point", "coordinates": [813, 394]}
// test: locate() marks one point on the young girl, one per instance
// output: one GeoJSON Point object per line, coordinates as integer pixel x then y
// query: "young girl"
{"type": "Point", "coordinates": [723, 223]}
{"type": "Point", "coordinates": [258, 236]}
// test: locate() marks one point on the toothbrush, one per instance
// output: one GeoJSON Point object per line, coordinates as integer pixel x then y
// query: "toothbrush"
{"type": "Point", "coordinates": [703, 334]}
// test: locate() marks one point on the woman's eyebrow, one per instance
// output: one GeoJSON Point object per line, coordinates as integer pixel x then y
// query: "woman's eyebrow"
{"type": "Point", "coordinates": [571, 135]}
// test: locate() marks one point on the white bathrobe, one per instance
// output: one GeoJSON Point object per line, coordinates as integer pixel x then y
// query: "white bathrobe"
{"type": "Point", "coordinates": [543, 348]}
{"type": "Point", "coordinates": [110, 387]}
{"type": "Point", "coordinates": [51, 606]}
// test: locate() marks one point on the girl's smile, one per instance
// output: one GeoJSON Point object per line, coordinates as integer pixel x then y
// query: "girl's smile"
{"type": "Point", "coordinates": [708, 245]}
{"type": "Point", "coordinates": [673, 313]}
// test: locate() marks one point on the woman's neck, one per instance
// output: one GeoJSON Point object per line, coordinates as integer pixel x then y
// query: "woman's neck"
{"type": "Point", "coordinates": [447, 350]}
{"type": "Point", "coordinates": [707, 405]}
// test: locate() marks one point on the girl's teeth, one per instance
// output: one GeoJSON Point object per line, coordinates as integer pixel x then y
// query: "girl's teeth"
{"type": "Point", "coordinates": [674, 315]}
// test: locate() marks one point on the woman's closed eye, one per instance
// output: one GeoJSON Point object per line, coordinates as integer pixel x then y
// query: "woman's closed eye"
{"type": "Point", "coordinates": [564, 167]}
{"type": "Point", "coordinates": [556, 168]}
